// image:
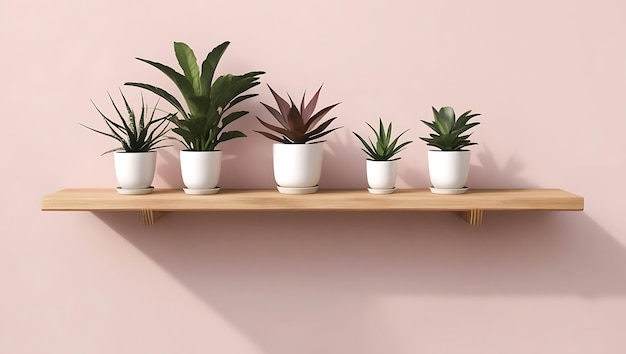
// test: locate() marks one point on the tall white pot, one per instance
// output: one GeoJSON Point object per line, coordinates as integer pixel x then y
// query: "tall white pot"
{"type": "Point", "coordinates": [200, 169]}
{"type": "Point", "coordinates": [381, 175]}
{"type": "Point", "coordinates": [298, 166]}
{"type": "Point", "coordinates": [448, 169]}
{"type": "Point", "coordinates": [134, 170]}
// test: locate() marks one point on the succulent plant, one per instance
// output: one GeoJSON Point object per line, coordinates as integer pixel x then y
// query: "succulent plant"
{"type": "Point", "coordinates": [448, 129]}
{"type": "Point", "coordinates": [135, 135]}
{"type": "Point", "coordinates": [384, 148]}
{"type": "Point", "coordinates": [208, 102]}
{"type": "Point", "coordinates": [298, 126]}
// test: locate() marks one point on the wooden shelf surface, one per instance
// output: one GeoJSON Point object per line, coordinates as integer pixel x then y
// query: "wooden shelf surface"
{"type": "Point", "coordinates": [469, 205]}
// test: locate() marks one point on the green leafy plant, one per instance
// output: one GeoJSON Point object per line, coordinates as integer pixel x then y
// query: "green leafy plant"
{"type": "Point", "coordinates": [448, 129]}
{"type": "Point", "coordinates": [209, 102]}
{"type": "Point", "coordinates": [298, 126]}
{"type": "Point", "coordinates": [385, 148]}
{"type": "Point", "coordinates": [135, 135]}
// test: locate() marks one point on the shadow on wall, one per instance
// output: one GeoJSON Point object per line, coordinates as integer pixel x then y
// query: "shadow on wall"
{"type": "Point", "coordinates": [488, 174]}
{"type": "Point", "coordinates": [168, 168]}
{"type": "Point", "coordinates": [321, 271]}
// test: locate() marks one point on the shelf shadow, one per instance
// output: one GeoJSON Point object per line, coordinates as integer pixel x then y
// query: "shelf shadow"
{"type": "Point", "coordinates": [512, 252]}
{"type": "Point", "coordinates": [322, 270]}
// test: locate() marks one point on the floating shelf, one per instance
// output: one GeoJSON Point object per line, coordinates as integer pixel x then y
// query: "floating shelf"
{"type": "Point", "coordinates": [469, 206]}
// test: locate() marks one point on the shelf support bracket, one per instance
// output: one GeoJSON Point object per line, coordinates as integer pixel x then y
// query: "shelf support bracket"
{"type": "Point", "coordinates": [474, 216]}
{"type": "Point", "coordinates": [149, 216]}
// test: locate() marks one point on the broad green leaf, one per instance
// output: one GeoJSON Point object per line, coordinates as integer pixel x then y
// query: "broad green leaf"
{"type": "Point", "coordinates": [181, 82]}
{"type": "Point", "coordinates": [209, 65]}
{"type": "Point", "coordinates": [225, 136]}
{"type": "Point", "coordinates": [241, 99]}
{"type": "Point", "coordinates": [233, 117]}
{"type": "Point", "coordinates": [188, 62]}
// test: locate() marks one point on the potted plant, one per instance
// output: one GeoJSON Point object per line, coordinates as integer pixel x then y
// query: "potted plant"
{"type": "Point", "coordinates": [135, 159]}
{"type": "Point", "coordinates": [448, 167]}
{"type": "Point", "coordinates": [297, 157]}
{"type": "Point", "coordinates": [208, 111]}
{"type": "Point", "coordinates": [381, 167]}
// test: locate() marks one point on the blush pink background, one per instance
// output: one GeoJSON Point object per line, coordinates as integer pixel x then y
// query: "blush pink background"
{"type": "Point", "coordinates": [549, 78]}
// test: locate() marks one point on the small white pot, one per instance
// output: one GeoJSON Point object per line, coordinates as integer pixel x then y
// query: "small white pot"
{"type": "Point", "coordinates": [381, 174]}
{"type": "Point", "coordinates": [448, 169]}
{"type": "Point", "coordinates": [298, 165]}
{"type": "Point", "coordinates": [134, 170]}
{"type": "Point", "coordinates": [200, 169]}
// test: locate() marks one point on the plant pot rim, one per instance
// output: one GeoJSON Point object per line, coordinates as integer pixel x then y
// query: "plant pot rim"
{"type": "Point", "coordinates": [200, 150]}
{"type": "Point", "coordinates": [396, 159]}
{"type": "Point", "coordinates": [449, 150]}
{"type": "Point", "coordinates": [315, 142]}
{"type": "Point", "coordinates": [133, 152]}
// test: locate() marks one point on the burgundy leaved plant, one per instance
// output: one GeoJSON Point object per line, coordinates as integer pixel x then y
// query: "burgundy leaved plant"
{"type": "Point", "coordinates": [298, 126]}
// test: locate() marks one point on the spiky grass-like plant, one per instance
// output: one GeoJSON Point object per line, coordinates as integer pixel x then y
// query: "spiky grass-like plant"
{"type": "Point", "coordinates": [448, 129]}
{"type": "Point", "coordinates": [135, 135]}
{"type": "Point", "coordinates": [385, 148]}
{"type": "Point", "coordinates": [298, 126]}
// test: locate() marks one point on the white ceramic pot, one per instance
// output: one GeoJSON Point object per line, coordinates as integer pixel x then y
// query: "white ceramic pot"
{"type": "Point", "coordinates": [200, 169]}
{"type": "Point", "coordinates": [448, 169]}
{"type": "Point", "coordinates": [134, 170]}
{"type": "Point", "coordinates": [381, 174]}
{"type": "Point", "coordinates": [298, 165]}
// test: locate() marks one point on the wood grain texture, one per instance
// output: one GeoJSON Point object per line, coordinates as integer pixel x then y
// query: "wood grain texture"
{"type": "Point", "coordinates": [347, 200]}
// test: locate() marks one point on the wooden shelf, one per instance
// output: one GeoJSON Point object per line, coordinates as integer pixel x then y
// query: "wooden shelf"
{"type": "Point", "coordinates": [469, 206]}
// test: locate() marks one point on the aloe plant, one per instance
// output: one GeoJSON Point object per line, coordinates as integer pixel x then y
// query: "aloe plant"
{"type": "Point", "coordinates": [209, 102]}
{"type": "Point", "coordinates": [448, 129]}
{"type": "Point", "coordinates": [385, 148]}
{"type": "Point", "coordinates": [298, 126]}
{"type": "Point", "coordinates": [135, 135]}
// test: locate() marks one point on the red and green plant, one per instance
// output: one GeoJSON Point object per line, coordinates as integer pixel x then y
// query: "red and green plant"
{"type": "Point", "coordinates": [298, 126]}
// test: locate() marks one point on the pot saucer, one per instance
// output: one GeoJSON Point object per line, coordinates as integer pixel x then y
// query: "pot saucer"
{"type": "Point", "coordinates": [381, 190]}
{"type": "Point", "coordinates": [201, 191]}
{"type": "Point", "coordinates": [448, 190]}
{"type": "Point", "coordinates": [134, 191]}
{"type": "Point", "coordinates": [297, 190]}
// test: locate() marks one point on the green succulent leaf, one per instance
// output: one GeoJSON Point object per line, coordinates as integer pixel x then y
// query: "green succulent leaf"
{"type": "Point", "coordinates": [385, 146]}
{"type": "Point", "coordinates": [447, 130]}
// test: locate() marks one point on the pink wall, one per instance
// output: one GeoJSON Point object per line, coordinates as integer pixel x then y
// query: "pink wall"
{"type": "Point", "coordinates": [549, 78]}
